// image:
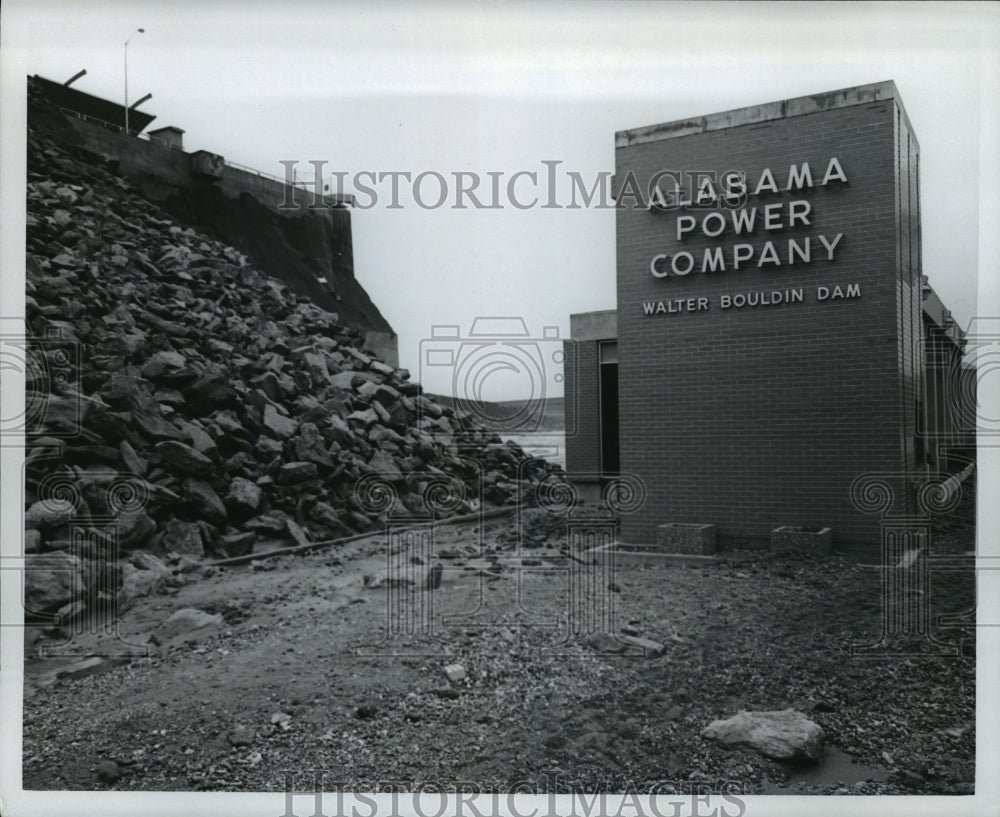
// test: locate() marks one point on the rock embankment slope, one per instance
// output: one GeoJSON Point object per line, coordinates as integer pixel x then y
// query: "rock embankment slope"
{"type": "Point", "coordinates": [180, 402]}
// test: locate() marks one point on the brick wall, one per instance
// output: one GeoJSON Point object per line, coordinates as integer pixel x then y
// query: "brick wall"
{"type": "Point", "coordinates": [762, 416]}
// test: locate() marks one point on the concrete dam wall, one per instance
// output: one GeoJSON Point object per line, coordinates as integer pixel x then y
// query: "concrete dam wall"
{"type": "Point", "coordinates": [308, 249]}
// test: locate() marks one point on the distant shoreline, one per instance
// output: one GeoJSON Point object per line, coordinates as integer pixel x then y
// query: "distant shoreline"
{"type": "Point", "coordinates": [552, 419]}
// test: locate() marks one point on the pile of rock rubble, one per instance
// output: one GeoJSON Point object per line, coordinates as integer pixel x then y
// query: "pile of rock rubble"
{"type": "Point", "coordinates": [181, 403]}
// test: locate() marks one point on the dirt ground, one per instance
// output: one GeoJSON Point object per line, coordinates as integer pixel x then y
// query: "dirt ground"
{"type": "Point", "coordinates": [303, 674]}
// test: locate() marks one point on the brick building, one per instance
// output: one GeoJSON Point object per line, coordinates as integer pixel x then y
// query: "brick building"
{"type": "Point", "coordinates": [768, 349]}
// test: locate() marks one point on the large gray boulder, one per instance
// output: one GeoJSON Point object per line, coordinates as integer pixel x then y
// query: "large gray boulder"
{"type": "Point", "coordinates": [291, 473]}
{"type": "Point", "coordinates": [243, 498]}
{"type": "Point", "coordinates": [52, 580]}
{"type": "Point", "coordinates": [135, 527]}
{"type": "Point", "coordinates": [311, 447]}
{"type": "Point", "coordinates": [206, 502]}
{"type": "Point", "coordinates": [782, 735]}
{"type": "Point", "coordinates": [279, 424]}
{"type": "Point", "coordinates": [49, 513]}
{"type": "Point", "coordinates": [183, 537]}
{"type": "Point", "coordinates": [136, 583]}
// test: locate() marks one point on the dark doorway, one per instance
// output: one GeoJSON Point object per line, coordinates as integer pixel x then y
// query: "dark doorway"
{"type": "Point", "coordinates": [609, 408]}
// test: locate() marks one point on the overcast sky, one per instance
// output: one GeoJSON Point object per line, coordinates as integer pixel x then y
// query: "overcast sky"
{"type": "Point", "coordinates": [483, 88]}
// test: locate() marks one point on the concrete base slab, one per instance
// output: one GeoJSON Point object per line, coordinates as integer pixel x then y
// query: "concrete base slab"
{"type": "Point", "coordinates": [687, 538]}
{"type": "Point", "coordinates": [651, 558]}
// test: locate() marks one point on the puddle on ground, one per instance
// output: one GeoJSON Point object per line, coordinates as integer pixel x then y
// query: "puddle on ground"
{"type": "Point", "coordinates": [836, 768]}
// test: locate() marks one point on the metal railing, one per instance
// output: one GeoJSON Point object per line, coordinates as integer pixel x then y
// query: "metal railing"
{"type": "Point", "coordinates": [261, 173]}
{"type": "Point", "coordinates": [120, 129]}
{"type": "Point", "coordinates": [305, 187]}
{"type": "Point", "coordinates": [93, 119]}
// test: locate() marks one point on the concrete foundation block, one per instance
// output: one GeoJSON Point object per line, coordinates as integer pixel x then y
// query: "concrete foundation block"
{"type": "Point", "coordinates": [802, 539]}
{"type": "Point", "coordinates": [685, 537]}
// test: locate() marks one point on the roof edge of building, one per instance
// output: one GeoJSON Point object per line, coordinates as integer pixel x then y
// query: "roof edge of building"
{"type": "Point", "coordinates": [754, 114]}
{"type": "Point", "coordinates": [935, 311]}
{"type": "Point", "coordinates": [600, 324]}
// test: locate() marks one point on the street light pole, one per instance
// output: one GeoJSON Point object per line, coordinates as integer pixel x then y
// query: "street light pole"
{"type": "Point", "coordinates": [130, 36]}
